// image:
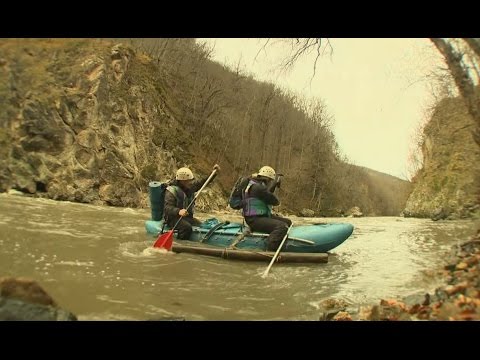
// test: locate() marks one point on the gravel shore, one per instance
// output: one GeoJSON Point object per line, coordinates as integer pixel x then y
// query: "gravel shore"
{"type": "Point", "coordinates": [457, 299]}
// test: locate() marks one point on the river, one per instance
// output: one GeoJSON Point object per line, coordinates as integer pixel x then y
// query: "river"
{"type": "Point", "coordinates": [99, 263]}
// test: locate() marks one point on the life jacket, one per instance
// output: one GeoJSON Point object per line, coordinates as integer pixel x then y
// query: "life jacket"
{"type": "Point", "coordinates": [183, 200]}
{"type": "Point", "coordinates": [254, 206]}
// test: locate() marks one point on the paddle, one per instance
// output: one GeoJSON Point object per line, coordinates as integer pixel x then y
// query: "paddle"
{"type": "Point", "coordinates": [166, 240]}
{"type": "Point", "coordinates": [213, 229]}
{"type": "Point", "coordinates": [265, 274]}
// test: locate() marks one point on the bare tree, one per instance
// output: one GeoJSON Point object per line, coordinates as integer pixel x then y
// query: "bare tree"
{"type": "Point", "coordinates": [300, 47]}
{"type": "Point", "coordinates": [453, 58]}
{"type": "Point", "coordinates": [415, 153]}
{"type": "Point", "coordinates": [264, 120]}
{"type": "Point", "coordinates": [474, 44]}
{"type": "Point", "coordinates": [463, 81]}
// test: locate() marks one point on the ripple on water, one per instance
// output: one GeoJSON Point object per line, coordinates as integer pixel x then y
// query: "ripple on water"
{"type": "Point", "coordinates": [384, 256]}
{"type": "Point", "coordinates": [109, 299]}
{"type": "Point", "coordinates": [76, 263]}
{"type": "Point", "coordinates": [135, 249]}
{"type": "Point", "coordinates": [106, 316]}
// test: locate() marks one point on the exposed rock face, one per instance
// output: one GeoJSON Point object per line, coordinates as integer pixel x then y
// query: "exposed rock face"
{"type": "Point", "coordinates": [84, 121]}
{"type": "Point", "coordinates": [448, 185]}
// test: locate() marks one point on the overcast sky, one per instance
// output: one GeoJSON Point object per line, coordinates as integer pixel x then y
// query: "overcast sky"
{"type": "Point", "coordinates": [366, 85]}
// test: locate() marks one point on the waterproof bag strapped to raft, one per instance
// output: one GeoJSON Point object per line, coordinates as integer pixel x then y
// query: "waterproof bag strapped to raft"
{"type": "Point", "coordinates": [157, 199]}
{"type": "Point", "coordinates": [235, 200]}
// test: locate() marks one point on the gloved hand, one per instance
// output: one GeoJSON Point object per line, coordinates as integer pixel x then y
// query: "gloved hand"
{"type": "Point", "coordinates": [275, 183]}
{"type": "Point", "coordinates": [278, 179]}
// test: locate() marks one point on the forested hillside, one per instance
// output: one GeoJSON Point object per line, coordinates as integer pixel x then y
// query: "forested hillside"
{"type": "Point", "coordinates": [96, 120]}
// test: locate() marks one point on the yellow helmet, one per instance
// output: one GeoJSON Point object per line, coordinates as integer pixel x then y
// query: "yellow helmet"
{"type": "Point", "coordinates": [267, 171]}
{"type": "Point", "coordinates": [184, 174]}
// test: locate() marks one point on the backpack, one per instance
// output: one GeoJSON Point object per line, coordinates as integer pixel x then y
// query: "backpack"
{"type": "Point", "coordinates": [157, 198]}
{"type": "Point", "coordinates": [235, 201]}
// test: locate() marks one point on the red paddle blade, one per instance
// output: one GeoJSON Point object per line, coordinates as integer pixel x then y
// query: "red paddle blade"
{"type": "Point", "coordinates": [169, 243]}
{"type": "Point", "coordinates": [165, 241]}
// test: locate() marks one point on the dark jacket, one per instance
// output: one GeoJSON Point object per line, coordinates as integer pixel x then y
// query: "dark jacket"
{"type": "Point", "coordinates": [264, 192]}
{"type": "Point", "coordinates": [171, 208]}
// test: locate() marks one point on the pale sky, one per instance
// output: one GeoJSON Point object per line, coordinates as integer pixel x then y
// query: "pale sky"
{"type": "Point", "coordinates": [366, 85]}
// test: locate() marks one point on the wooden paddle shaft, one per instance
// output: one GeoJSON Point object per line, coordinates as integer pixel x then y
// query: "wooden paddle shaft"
{"type": "Point", "coordinates": [277, 252]}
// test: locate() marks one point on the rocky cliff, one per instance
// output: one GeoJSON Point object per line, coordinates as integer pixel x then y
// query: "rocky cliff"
{"type": "Point", "coordinates": [87, 121]}
{"type": "Point", "coordinates": [92, 120]}
{"type": "Point", "coordinates": [448, 185]}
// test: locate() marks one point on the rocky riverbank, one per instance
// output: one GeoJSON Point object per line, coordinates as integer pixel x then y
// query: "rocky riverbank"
{"type": "Point", "coordinates": [457, 299]}
{"type": "Point", "coordinates": [25, 299]}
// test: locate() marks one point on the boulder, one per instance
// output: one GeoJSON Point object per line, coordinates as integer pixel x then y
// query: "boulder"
{"type": "Point", "coordinates": [25, 290]}
{"type": "Point", "coordinates": [25, 299]}
{"type": "Point", "coordinates": [355, 212]}
{"type": "Point", "coordinates": [307, 213]}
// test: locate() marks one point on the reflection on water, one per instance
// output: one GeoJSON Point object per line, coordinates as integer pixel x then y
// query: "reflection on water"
{"type": "Point", "coordinates": [98, 263]}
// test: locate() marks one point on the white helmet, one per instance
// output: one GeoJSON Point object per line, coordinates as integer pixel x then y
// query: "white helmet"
{"type": "Point", "coordinates": [267, 171]}
{"type": "Point", "coordinates": [184, 174]}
